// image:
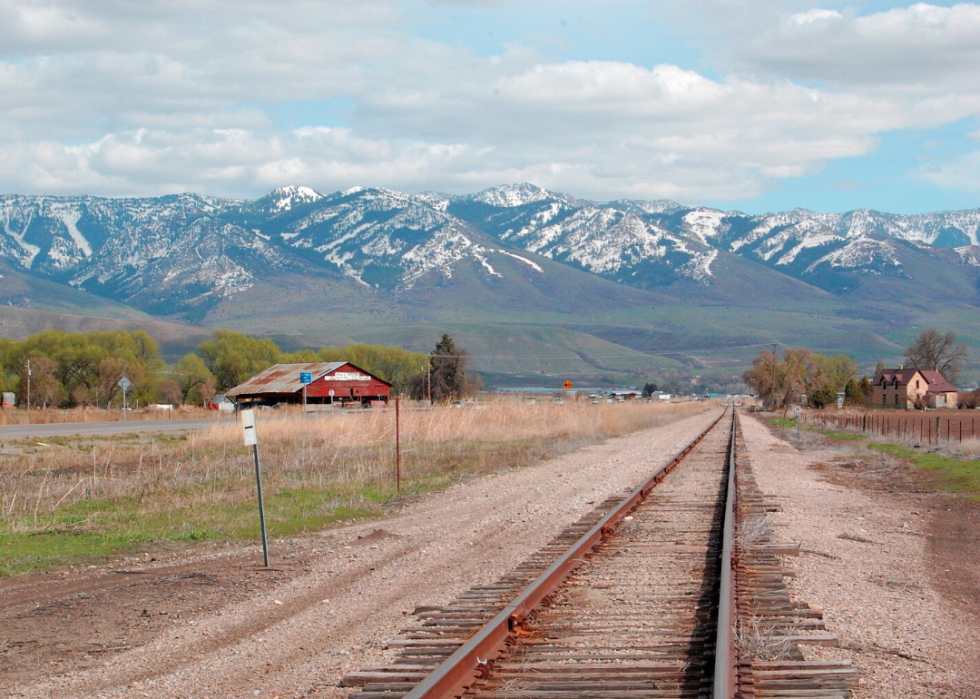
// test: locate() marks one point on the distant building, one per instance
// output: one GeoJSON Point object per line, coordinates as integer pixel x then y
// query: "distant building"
{"type": "Point", "coordinates": [331, 383]}
{"type": "Point", "coordinates": [222, 403]}
{"type": "Point", "coordinates": [910, 388]}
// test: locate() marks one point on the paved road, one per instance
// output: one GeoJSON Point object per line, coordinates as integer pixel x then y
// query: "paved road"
{"type": "Point", "coordinates": [103, 428]}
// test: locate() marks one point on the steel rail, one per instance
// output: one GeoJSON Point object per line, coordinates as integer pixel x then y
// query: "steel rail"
{"type": "Point", "coordinates": [465, 665]}
{"type": "Point", "coordinates": [726, 671]}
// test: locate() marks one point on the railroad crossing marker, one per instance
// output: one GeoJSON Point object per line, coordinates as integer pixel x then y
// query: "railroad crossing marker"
{"type": "Point", "coordinates": [124, 384]}
{"type": "Point", "coordinates": [252, 440]}
{"type": "Point", "coordinates": [567, 385]}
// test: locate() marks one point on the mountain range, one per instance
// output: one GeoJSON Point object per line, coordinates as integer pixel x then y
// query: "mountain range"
{"type": "Point", "coordinates": [538, 284]}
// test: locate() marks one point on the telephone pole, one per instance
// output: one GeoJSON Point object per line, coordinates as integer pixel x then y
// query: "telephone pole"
{"type": "Point", "coordinates": [773, 375]}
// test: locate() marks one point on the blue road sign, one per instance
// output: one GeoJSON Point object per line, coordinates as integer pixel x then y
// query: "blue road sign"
{"type": "Point", "coordinates": [305, 377]}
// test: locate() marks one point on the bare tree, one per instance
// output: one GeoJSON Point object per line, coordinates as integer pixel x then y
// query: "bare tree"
{"type": "Point", "coordinates": [761, 377]}
{"type": "Point", "coordinates": [935, 351]}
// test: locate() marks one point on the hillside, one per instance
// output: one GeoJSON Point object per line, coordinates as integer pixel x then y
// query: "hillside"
{"type": "Point", "coordinates": [532, 281]}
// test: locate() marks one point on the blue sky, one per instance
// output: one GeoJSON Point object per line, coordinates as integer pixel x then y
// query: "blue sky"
{"type": "Point", "coordinates": [757, 106]}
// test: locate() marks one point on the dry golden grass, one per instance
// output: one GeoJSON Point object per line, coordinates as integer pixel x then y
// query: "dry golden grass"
{"type": "Point", "coordinates": [316, 469]}
{"type": "Point", "coordinates": [11, 416]}
{"type": "Point", "coordinates": [969, 449]}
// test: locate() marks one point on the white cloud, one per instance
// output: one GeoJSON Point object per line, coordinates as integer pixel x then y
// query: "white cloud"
{"type": "Point", "coordinates": [815, 15]}
{"type": "Point", "coordinates": [176, 96]}
{"type": "Point", "coordinates": [923, 47]}
{"type": "Point", "coordinates": [962, 173]}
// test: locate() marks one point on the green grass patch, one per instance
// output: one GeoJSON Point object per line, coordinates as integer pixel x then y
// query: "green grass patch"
{"type": "Point", "coordinates": [783, 422]}
{"type": "Point", "coordinates": [93, 530]}
{"type": "Point", "coordinates": [954, 475]}
{"type": "Point", "coordinates": [843, 436]}
{"type": "Point", "coordinates": [837, 436]}
{"type": "Point", "coordinates": [86, 531]}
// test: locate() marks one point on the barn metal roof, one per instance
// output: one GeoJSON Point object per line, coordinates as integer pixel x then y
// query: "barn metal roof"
{"type": "Point", "coordinates": [284, 378]}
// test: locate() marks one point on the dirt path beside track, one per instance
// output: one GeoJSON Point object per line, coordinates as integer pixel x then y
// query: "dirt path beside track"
{"type": "Point", "coordinates": [209, 622]}
{"type": "Point", "coordinates": [894, 564]}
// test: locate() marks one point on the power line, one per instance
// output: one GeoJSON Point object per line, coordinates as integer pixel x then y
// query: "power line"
{"type": "Point", "coordinates": [635, 354]}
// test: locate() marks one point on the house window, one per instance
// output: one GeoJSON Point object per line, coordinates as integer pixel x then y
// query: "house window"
{"type": "Point", "coordinates": [916, 383]}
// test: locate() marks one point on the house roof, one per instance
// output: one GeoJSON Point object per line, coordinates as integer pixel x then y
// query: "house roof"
{"type": "Point", "coordinates": [935, 382]}
{"type": "Point", "coordinates": [904, 375]}
{"type": "Point", "coordinates": [284, 378]}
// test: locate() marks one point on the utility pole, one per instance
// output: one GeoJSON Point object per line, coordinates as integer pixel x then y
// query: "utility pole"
{"type": "Point", "coordinates": [28, 390]}
{"type": "Point", "coordinates": [774, 376]}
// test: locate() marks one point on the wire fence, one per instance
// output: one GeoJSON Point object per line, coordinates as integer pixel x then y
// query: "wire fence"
{"type": "Point", "coordinates": [923, 428]}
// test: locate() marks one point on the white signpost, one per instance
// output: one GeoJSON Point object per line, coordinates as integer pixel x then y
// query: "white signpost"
{"type": "Point", "coordinates": [252, 440]}
{"type": "Point", "coordinates": [124, 384]}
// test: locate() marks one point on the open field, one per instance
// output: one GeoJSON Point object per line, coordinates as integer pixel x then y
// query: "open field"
{"type": "Point", "coordinates": [69, 499]}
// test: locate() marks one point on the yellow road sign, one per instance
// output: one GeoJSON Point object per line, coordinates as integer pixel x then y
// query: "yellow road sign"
{"type": "Point", "coordinates": [567, 385]}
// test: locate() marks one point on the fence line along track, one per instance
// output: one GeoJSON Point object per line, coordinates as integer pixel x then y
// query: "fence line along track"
{"type": "Point", "coordinates": [625, 603]}
{"type": "Point", "coordinates": [921, 427]}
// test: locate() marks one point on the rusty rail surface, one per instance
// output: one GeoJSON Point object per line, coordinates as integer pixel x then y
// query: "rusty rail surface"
{"type": "Point", "coordinates": [458, 671]}
{"type": "Point", "coordinates": [742, 640]}
{"type": "Point", "coordinates": [726, 660]}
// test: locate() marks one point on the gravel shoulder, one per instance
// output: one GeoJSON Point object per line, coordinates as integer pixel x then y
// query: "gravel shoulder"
{"type": "Point", "coordinates": [897, 588]}
{"type": "Point", "coordinates": [209, 622]}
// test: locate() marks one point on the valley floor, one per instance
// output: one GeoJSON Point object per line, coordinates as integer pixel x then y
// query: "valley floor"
{"type": "Point", "coordinates": [208, 621]}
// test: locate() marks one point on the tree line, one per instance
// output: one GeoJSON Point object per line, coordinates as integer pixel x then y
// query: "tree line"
{"type": "Point", "coordinates": [83, 369]}
{"type": "Point", "coordinates": [802, 372]}
{"type": "Point", "coordinates": [820, 378]}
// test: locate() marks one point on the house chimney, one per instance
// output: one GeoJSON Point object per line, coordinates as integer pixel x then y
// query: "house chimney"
{"type": "Point", "coordinates": [901, 366]}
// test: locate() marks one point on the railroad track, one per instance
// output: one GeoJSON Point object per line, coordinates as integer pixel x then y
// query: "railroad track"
{"type": "Point", "coordinates": [674, 591]}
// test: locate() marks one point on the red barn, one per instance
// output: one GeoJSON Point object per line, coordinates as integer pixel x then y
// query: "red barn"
{"type": "Point", "coordinates": [332, 382]}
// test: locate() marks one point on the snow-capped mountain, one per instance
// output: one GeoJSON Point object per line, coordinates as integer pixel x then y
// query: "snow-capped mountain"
{"type": "Point", "coordinates": [381, 238]}
{"type": "Point", "coordinates": [152, 253]}
{"type": "Point", "coordinates": [182, 254]}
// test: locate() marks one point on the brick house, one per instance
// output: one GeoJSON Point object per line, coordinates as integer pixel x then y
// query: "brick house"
{"type": "Point", "coordinates": [907, 388]}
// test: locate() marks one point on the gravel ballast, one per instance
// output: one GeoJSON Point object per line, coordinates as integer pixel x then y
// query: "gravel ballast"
{"type": "Point", "coordinates": [865, 563]}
